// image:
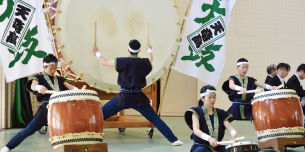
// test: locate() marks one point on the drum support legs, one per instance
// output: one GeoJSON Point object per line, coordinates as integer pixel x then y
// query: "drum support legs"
{"type": "Point", "coordinates": [280, 144]}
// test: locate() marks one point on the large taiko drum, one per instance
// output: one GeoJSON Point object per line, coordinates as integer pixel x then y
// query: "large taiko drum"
{"type": "Point", "coordinates": [246, 146]}
{"type": "Point", "coordinates": [117, 22]}
{"type": "Point", "coordinates": [277, 114]}
{"type": "Point", "coordinates": [75, 117]}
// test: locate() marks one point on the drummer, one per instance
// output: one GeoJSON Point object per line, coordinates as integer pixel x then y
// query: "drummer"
{"type": "Point", "coordinates": [208, 123]}
{"type": "Point", "coordinates": [132, 78]}
{"type": "Point", "coordinates": [241, 108]}
{"type": "Point", "coordinates": [38, 85]}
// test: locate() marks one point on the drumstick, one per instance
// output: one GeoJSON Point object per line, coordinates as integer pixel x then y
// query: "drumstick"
{"type": "Point", "coordinates": [230, 142]}
{"type": "Point", "coordinates": [84, 87]}
{"type": "Point", "coordinates": [95, 33]}
{"type": "Point", "coordinates": [251, 91]}
{"type": "Point", "coordinates": [280, 86]}
{"type": "Point", "coordinates": [50, 92]}
{"type": "Point", "coordinates": [147, 32]}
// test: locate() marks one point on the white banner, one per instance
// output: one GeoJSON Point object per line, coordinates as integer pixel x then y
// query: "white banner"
{"type": "Point", "coordinates": [23, 38]}
{"type": "Point", "coordinates": [202, 49]}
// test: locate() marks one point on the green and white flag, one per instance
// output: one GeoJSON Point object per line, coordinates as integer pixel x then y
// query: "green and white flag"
{"type": "Point", "coordinates": [23, 38]}
{"type": "Point", "coordinates": [202, 49]}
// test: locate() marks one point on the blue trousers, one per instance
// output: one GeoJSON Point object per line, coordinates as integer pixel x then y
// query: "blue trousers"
{"type": "Point", "coordinates": [110, 109]}
{"type": "Point", "coordinates": [39, 120]}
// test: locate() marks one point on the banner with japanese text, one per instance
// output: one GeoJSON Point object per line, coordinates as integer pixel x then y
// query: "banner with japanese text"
{"type": "Point", "coordinates": [23, 38]}
{"type": "Point", "coordinates": [202, 50]}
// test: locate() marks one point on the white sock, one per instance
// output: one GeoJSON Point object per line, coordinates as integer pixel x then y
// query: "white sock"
{"type": "Point", "coordinates": [177, 143]}
{"type": "Point", "coordinates": [5, 149]}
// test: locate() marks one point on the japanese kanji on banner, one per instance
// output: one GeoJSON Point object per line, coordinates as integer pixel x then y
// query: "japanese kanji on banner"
{"type": "Point", "coordinates": [202, 49]}
{"type": "Point", "coordinates": [23, 38]}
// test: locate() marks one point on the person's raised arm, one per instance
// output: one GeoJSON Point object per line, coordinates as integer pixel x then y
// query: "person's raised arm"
{"type": "Point", "coordinates": [109, 63]}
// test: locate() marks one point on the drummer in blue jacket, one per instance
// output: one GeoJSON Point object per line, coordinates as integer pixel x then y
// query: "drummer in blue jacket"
{"type": "Point", "coordinates": [132, 78]}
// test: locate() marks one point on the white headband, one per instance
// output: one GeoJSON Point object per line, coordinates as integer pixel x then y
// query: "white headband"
{"type": "Point", "coordinates": [208, 91]}
{"type": "Point", "coordinates": [240, 63]}
{"type": "Point", "coordinates": [132, 50]}
{"type": "Point", "coordinates": [46, 64]}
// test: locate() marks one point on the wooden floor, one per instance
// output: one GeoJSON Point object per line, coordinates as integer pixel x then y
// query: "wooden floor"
{"type": "Point", "coordinates": [136, 139]}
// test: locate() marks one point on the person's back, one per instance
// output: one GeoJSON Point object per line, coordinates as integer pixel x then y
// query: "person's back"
{"type": "Point", "coordinates": [133, 72]}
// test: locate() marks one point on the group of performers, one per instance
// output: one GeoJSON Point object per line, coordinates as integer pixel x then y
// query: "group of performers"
{"type": "Point", "coordinates": [207, 122]}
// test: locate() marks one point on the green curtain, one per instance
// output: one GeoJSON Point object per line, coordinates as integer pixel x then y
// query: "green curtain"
{"type": "Point", "coordinates": [22, 109]}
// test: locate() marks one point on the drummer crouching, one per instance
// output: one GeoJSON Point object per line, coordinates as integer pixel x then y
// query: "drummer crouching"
{"type": "Point", "coordinates": [208, 123]}
{"type": "Point", "coordinates": [132, 78]}
{"type": "Point", "coordinates": [38, 85]}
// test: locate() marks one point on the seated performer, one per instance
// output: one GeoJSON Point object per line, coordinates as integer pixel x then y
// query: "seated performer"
{"type": "Point", "coordinates": [208, 123]}
{"type": "Point", "coordinates": [38, 85]}
{"type": "Point", "coordinates": [242, 108]}
{"type": "Point", "coordinates": [132, 78]}
{"type": "Point", "coordinates": [294, 83]}
{"type": "Point", "coordinates": [271, 70]}
{"type": "Point", "coordinates": [282, 71]}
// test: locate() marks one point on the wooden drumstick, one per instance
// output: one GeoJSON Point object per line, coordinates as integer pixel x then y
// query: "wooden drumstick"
{"type": "Point", "coordinates": [280, 86]}
{"type": "Point", "coordinates": [147, 32]}
{"type": "Point", "coordinates": [84, 87]}
{"type": "Point", "coordinates": [251, 91]}
{"type": "Point", "coordinates": [95, 33]}
{"type": "Point", "coordinates": [50, 92]}
{"type": "Point", "coordinates": [230, 142]}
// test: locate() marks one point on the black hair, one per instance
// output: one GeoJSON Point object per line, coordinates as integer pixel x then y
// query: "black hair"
{"type": "Point", "coordinates": [271, 68]}
{"type": "Point", "coordinates": [202, 90]}
{"type": "Point", "coordinates": [50, 58]}
{"type": "Point", "coordinates": [242, 60]}
{"type": "Point", "coordinates": [301, 67]}
{"type": "Point", "coordinates": [135, 45]}
{"type": "Point", "coordinates": [283, 65]}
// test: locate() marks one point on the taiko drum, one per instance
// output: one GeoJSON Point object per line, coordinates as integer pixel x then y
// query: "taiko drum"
{"type": "Point", "coordinates": [75, 117]}
{"type": "Point", "coordinates": [277, 114]}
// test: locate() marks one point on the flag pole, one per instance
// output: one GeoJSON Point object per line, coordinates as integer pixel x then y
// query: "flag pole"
{"type": "Point", "coordinates": [169, 70]}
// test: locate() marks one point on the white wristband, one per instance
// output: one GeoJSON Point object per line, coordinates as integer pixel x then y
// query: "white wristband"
{"type": "Point", "coordinates": [205, 136]}
{"type": "Point", "coordinates": [233, 133]}
{"type": "Point", "coordinates": [149, 50]}
{"type": "Point", "coordinates": [238, 88]}
{"type": "Point", "coordinates": [98, 54]}
{"type": "Point", "coordinates": [268, 87]}
{"type": "Point", "coordinates": [38, 87]}
{"type": "Point", "coordinates": [75, 88]}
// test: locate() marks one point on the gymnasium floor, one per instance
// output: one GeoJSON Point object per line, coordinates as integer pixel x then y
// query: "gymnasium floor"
{"type": "Point", "coordinates": [136, 139]}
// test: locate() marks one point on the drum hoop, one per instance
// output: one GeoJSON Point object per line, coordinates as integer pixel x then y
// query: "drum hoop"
{"type": "Point", "coordinates": [242, 144]}
{"type": "Point", "coordinates": [74, 95]}
{"type": "Point", "coordinates": [107, 87]}
{"type": "Point", "coordinates": [275, 94]}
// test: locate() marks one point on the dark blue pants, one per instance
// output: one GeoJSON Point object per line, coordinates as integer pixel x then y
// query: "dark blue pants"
{"type": "Point", "coordinates": [39, 120]}
{"type": "Point", "coordinates": [110, 109]}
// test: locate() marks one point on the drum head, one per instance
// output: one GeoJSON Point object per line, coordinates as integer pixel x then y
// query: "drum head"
{"type": "Point", "coordinates": [116, 26]}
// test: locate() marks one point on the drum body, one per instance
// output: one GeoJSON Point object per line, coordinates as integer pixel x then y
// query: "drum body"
{"type": "Point", "coordinates": [277, 114]}
{"type": "Point", "coordinates": [117, 22]}
{"type": "Point", "coordinates": [75, 117]}
{"type": "Point", "coordinates": [243, 147]}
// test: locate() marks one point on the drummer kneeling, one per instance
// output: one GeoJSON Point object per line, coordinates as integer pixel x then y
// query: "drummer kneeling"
{"type": "Point", "coordinates": [208, 123]}
{"type": "Point", "coordinates": [38, 85]}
